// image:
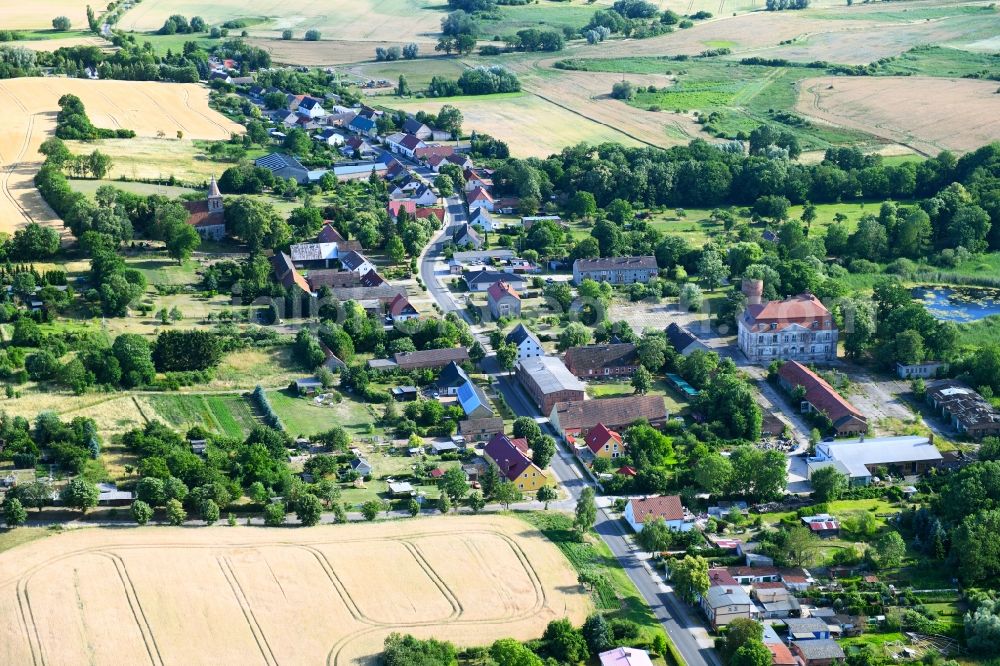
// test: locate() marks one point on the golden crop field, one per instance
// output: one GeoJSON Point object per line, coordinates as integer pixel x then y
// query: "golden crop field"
{"type": "Point", "coordinates": [39, 13]}
{"type": "Point", "coordinates": [926, 114]}
{"type": "Point", "coordinates": [224, 595]}
{"type": "Point", "coordinates": [148, 108]}
{"type": "Point", "coordinates": [361, 21]}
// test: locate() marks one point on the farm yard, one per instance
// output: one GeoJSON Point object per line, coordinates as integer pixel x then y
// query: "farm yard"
{"type": "Point", "coordinates": [927, 114]}
{"type": "Point", "coordinates": [145, 107]}
{"type": "Point", "coordinates": [219, 595]}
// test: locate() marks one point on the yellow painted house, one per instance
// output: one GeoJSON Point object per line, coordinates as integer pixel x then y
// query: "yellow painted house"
{"type": "Point", "coordinates": [604, 443]}
{"type": "Point", "coordinates": [514, 463]}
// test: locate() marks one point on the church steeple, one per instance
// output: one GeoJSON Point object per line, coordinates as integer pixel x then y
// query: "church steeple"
{"type": "Point", "coordinates": [214, 197]}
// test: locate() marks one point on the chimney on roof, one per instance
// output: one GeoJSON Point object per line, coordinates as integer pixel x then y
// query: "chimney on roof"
{"type": "Point", "coordinates": [754, 290]}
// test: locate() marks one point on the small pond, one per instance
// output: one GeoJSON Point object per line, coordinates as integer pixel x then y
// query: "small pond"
{"type": "Point", "coordinates": [959, 304]}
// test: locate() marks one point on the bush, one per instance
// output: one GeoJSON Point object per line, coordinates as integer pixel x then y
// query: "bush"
{"type": "Point", "coordinates": [61, 23]}
{"type": "Point", "coordinates": [286, 34]}
{"type": "Point", "coordinates": [623, 90]}
{"type": "Point", "coordinates": [312, 35]}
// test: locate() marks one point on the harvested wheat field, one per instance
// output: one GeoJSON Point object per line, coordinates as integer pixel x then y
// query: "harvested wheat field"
{"type": "Point", "coordinates": [68, 42]}
{"type": "Point", "coordinates": [531, 126]}
{"type": "Point", "coordinates": [30, 106]}
{"type": "Point", "coordinates": [324, 595]}
{"type": "Point", "coordinates": [39, 13]}
{"type": "Point", "coordinates": [925, 114]}
{"type": "Point", "coordinates": [398, 21]}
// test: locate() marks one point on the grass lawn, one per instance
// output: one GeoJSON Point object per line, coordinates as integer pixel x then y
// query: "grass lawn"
{"type": "Point", "coordinates": [675, 404]}
{"type": "Point", "coordinates": [89, 187]}
{"type": "Point", "coordinates": [175, 43]}
{"type": "Point", "coordinates": [388, 465]}
{"type": "Point", "coordinates": [230, 415]}
{"type": "Point", "coordinates": [302, 417]}
{"type": "Point", "coordinates": [22, 535]}
{"type": "Point", "coordinates": [840, 508]}
{"type": "Point", "coordinates": [616, 595]}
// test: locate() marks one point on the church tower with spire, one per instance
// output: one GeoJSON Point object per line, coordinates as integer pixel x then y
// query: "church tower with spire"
{"type": "Point", "coordinates": [214, 197]}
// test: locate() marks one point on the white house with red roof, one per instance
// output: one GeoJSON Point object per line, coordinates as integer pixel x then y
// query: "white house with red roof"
{"type": "Point", "coordinates": [479, 198]}
{"type": "Point", "coordinates": [795, 329]}
{"type": "Point", "coordinates": [400, 309]}
{"type": "Point", "coordinates": [604, 442]}
{"type": "Point", "coordinates": [503, 300]}
{"type": "Point", "coordinates": [404, 144]}
{"type": "Point", "coordinates": [642, 510]}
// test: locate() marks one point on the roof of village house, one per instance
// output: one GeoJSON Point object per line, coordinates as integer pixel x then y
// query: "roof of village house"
{"type": "Point", "coordinates": [511, 460]}
{"type": "Point", "coordinates": [626, 470]}
{"type": "Point", "coordinates": [667, 507]}
{"type": "Point", "coordinates": [412, 126]}
{"type": "Point", "coordinates": [801, 310]}
{"type": "Point", "coordinates": [410, 142]}
{"type": "Point", "coordinates": [756, 572]}
{"type": "Point", "coordinates": [519, 334]}
{"type": "Point", "coordinates": [780, 655]}
{"type": "Point", "coordinates": [805, 625]}
{"type": "Point", "coordinates": [282, 264]}
{"type": "Point", "coordinates": [396, 205]}
{"type": "Point", "coordinates": [373, 279]}
{"type": "Point", "coordinates": [361, 124]}
{"type": "Point", "coordinates": [824, 648]}
{"type": "Point", "coordinates": [436, 212]}
{"type": "Point", "coordinates": [588, 358]}
{"type": "Point", "coordinates": [471, 398]}
{"type": "Point", "coordinates": [613, 412]}
{"type": "Point", "coordinates": [727, 595]}
{"type": "Point", "coordinates": [616, 263]}
{"type": "Point", "coordinates": [314, 251]}
{"type": "Point", "coordinates": [435, 154]}
{"type": "Point", "coordinates": [333, 278]}
{"type": "Point", "coordinates": [625, 656]}
{"type": "Point", "coordinates": [679, 337]}
{"type": "Point", "coordinates": [550, 375]}
{"type": "Point", "coordinates": [720, 576]}
{"type": "Point", "coordinates": [819, 393]}
{"type": "Point", "coordinates": [521, 443]}
{"type": "Point", "coordinates": [499, 289]}
{"type": "Point", "coordinates": [352, 260]}
{"type": "Point", "coordinates": [432, 356]}
{"type": "Point", "coordinates": [600, 435]}
{"type": "Point", "coordinates": [478, 194]}
{"type": "Point", "coordinates": [854, 455]}
{"type": "Point", "coordinates": [485, 424]}
{"type": "Point", "coordinates": [465, 234]}
{"type": "Point", "coordinates": [489, 277]}
{"type": "Point", "coordinates": [329, 234]}
{"type": "Point", "coordinates": [308, 103]}
{"type": "Point", "coordinates": [480, 216]}
{"type": "Point", "coordinates": [400, 306]}
{"type": "Point", "coordinates": [276, 161]}
{"type": "Point", "coordinates": [199, 215]}
{"type": "Point", "coordinates": [452, 375]}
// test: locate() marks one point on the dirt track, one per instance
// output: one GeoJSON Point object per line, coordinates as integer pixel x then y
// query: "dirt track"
{"type": "Point", "coordinates": [278, 596]}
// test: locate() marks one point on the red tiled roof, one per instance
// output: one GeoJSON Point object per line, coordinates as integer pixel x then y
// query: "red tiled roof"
{"type": "Point", "coordinates": [499, 289]}
{"type": "Point", "coordinates": [780, 655]}
{"type": "Point", "coordinates": [600, 435]}
{"type": "Point", "coordinates": [667, 507]}
{"type": "Point", "coordinates": [401, 306]}
{"type": "Point", "coordinates": [820, 394]}
{"type": "Point", "coordinates": [436, 473]}
{"type": "Point", "coordinates": [753, 571]}
{"type": "Point", "coordinates": [439, 152]}
{"type": "Point", "coordinates": [198, 215]}
{"type": "Point", "coordinates": [720, 577]}
{"type": "Point", "coordinates": [431, 211]}
{"type": "Point", "coordinates": [522, 444]}
{"type": "Point", "coordinates": [823, 525]}
{"type": "Point", "coordinates": [803, 309]}
{"type": "Point", "coordinates": [394, 206]}
{"type": "Point", "coordinates": [770, 585]}
{"type": "Point", "coordinates": [477, 194]}
{"type": "Point", "coordinates": [627, 470]}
